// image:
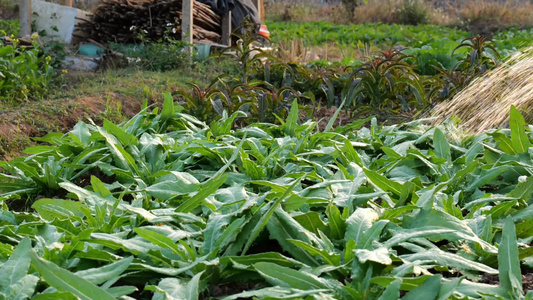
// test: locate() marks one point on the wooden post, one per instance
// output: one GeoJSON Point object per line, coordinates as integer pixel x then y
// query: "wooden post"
{"type": "Point", "coordinates": [226, 29]}
{"type": "Point", "coordinates": [25, 17]}
{"type": "Point", "coordinates": [187, 21]}
{"type": "Point", "coordinates": [66, 3]}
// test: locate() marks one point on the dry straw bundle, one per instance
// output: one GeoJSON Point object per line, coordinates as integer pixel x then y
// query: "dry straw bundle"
{"type": "Point", "coordinates": [485, 103]}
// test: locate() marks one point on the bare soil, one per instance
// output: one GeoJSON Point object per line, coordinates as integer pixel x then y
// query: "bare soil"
{"type": "Point", "coordinates": [18, 125]}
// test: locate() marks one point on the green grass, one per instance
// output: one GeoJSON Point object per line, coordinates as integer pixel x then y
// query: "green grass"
{"type": "Point", "coordinates": [319, 33]}
{"type": "Point", "coordinates": [110, 90]}
{"type": "Point", "coordinates": [419, 39]}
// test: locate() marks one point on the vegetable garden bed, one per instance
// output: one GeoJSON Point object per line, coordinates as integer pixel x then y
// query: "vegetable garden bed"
{"type": "Point", "coordinates": [166, 207]}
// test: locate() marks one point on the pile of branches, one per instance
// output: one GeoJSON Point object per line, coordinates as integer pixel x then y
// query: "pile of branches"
{"type": "Point", "coordinates": [127, 21]}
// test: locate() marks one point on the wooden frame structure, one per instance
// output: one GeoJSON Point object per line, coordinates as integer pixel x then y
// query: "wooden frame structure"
{"type": "Point", "coordinates": [187, 22]}
{"type": "Point", "coordinates": [25, 13]}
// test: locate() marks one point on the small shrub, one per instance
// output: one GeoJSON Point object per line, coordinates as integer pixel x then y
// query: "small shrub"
{"type": "Point", "coordinates": [162, 55]}
{"type": "Point", "coordinates": [386, 83]}
{"type": "Point", "coordinates": [9, 27]}
{"type": "Point", "coordinates": [413, 12]}
{"type": "Point", "coordinates": [24, 73]}
{"type": "Point", "coordinates": [486, 16]}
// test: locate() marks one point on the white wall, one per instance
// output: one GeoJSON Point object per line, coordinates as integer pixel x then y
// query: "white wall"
{"type": "Point", "coordinates": [47, 16]}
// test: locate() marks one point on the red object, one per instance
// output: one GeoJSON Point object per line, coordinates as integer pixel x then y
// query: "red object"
{"type": "Point", "coordinates": [263, 31]}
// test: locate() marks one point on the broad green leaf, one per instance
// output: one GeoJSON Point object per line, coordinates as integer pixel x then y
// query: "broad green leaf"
{"type": "Point", "coordinates": [55, 296]}
{"type": "Point", "coordinates": [448, 288]}
{"type": "Point", "coordinates": [15, 268]}
{"type": "Point", "coordinates": [359, 223]}
{"type": "Point", "coordinates": [351, 154]}
{"type": "Point", "coordinates": [311, 221]}
{"type": "Point", "coordinates": [292, 120]}
{"type": "Point", "coordinates": [168, 189]}
{"type": "Point", "coordinates": [392, 292]}
{"type": "Point", "coordinates": [64, 280]}
{"type": "Point", "coordinates": [509, 263]}
{"type": "Point", "coordinates": [58, 208]}
{"type": "Point", "coordinates": [99, 187]}
{"type": "Point", "coordinates": [523, 190]}
{"type": "Point", "coordinates": [284, 228]}
{"type": "Point", "coordinates": [213, 231]}
{"type": "Point", "coordinates": [283, 276]}
{"type": "Point", "coordinates": [158, 239]}
{"type": "Point", "coordinates": [81, 133]}
{"type": "Point", "coordinates": [441, 145]}
{"type": "Point", "coordinates": [429, 290]}
{"type": "Point", "coordinates": [206, 189]}
{"type": "Point", "coordinates": [168, 107]}
{"type": "Point", "coordinates": [272, 257]}
{"type": "Point", "coordinates": [372, 234]}
{"type": "Point", "coordinates": [448, 259]}
{"type": "Point", "coordinates": [178, 289]}
{"type": "Point", "coordinates": [330, 259]}
{"type": "Point", "coordinates": [266, 212]}
{"type": "Point", "coordinates": [505, 143]}
{"type": "Point", "coordinates": [336, 224]}
{"type": "Point", "coordinates": [383, 182]}
{"type": "Point", "coordinates": [121, 291]}
{"type": "Point", "coordinates": [519, 137]}
{"type": "Point", "coordinates": [276, 292]}
{"type": "Point", "coordinates": [438, 220]}
{"type": "Point", "coordinates": [380, 255]}
{"type": "Point", "coordinates": [105, 273]}
{"type": "Point", "coordinates": [123, 137]}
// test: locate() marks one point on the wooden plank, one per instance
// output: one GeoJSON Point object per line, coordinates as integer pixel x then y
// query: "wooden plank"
{"type": "Point", "coordinates": [187, 21]}
{"type": "Point", "coordinates": [25, 17]}
{"type": "Point", "coordinates": [66, 3]}
{"type": "Point", "coordinates": [226, 29]}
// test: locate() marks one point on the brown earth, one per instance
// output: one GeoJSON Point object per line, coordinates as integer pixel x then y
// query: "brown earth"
{"type": "Point", "coordinates": [527, 280]}
{"type": "Point", "coordinates": [20, 124]}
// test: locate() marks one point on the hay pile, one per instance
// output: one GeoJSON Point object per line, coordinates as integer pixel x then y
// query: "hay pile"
{"type": "Point", "coordinates": [485, 103]}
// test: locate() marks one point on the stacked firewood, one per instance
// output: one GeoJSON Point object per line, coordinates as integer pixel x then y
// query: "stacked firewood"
{"type": "Point", "coordinates": [127, 21]}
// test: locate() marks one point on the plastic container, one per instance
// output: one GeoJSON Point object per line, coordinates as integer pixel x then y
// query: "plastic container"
{"type": "Point", "coordinates": [91, 50]}
{"type": "Point", "coordinates": [202, 52]}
